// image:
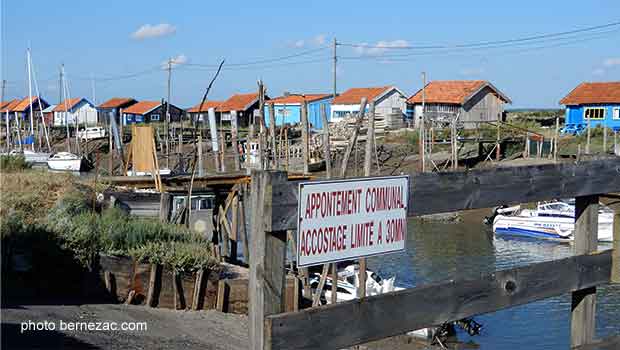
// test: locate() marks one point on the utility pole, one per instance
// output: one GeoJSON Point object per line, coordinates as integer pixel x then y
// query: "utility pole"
{"type": "Point", "coordinates": [422, 132]}
{"type": "Point", "coordinates": [335, 65]}
{"type": "Point", "coordinates": [167, 128]}
{"type": "Point", "coordinates": [8, 129]}
{"type": "Point", "coordinates": [30, 99]}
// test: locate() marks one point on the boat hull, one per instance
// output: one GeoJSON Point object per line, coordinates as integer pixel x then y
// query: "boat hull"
{"type": "Point", "coordinates": [551, 228]}
{"type": "Point", "coordinates": [65, 164]}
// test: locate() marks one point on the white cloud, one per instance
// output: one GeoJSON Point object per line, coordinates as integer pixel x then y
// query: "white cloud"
{"type": "Point", "coordinates": [598, 71]}
{"type": "Point", "coordinates": [610, 62]}
{"type": "Point", "coordinates": [319, 40]}
{"type": "Point", "coordinates": [148, 31]}
{"type": "Point", "coordinates": [180, 59]}
{"type": "Point", "coordinates": [380, 47]}
{"type": "Point", "coordinates": [299, 43]}
{"type": "Point", "coordinates": [471, 71]}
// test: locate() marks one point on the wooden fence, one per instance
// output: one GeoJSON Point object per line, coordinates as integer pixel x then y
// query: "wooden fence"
{"type": "Point", "coordinates": [274, 210]}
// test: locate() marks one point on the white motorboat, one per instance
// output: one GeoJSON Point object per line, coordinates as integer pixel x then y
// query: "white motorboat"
{"type": "Point", "coordinates": [550, 220]}
{"type": "Point", "coordinates": [92, 133]}
{"type": "Point", "coordinates": [65, 161]}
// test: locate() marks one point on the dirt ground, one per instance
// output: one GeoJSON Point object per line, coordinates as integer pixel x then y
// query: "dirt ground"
{"type": "Point", "coordinates": [166, 329]}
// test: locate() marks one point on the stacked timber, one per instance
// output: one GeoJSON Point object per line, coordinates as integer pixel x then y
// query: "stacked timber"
{"type": "Point", "coordinates": [394, 121]}
{"type": "Point", "coordinates": [341, 132]}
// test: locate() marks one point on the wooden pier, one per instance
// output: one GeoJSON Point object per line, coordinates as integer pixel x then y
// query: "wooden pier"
{"type": "Point", "coordinates": [274, 205]}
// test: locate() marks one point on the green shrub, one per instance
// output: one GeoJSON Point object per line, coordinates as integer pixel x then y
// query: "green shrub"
{"type": "Point", "coordinates": [10, 163]}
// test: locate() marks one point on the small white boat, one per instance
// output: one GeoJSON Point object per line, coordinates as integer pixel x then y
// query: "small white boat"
{"type": "Point", "coordinates": [552, 220]}
{"type": "Point", "coordinates": [162, 172]}
{"type": "Point", "coordinates": [92, 133]}
{"type": "Point", "coordinates": [65, 161]}
{"type": "Point", "coordinates": [30, 156]}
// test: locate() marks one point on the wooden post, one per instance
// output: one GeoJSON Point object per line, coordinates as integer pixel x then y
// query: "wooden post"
{"type": "Point", "coordinates": [615, 262]}
{"type": "Point", "coordinates": [152, 296]}
{"type": "Point", "coordinates": [272, 135]}
{"type": "Point", "coordinates": [353, 141]}
{"type": "Point", "coordinates": [267, 277]}
{"type": "Point", "coordinates": [498, 144]}
{"type": "Point", "coordinates": [555, 140]}
{"type": "Point", "coordinates": [200, 160]}
{"type": "Point", "coordinates": [604, 137]}
{"type": "Point", "coordinates": [584, 300]}
{"type": "Point", "coordinates": [197, 295]}
{"type": "Point", "coordinates": [304, 135]}
{"type": "Point", "coordinates": [588, 137]}
{"type": "Point", "coordinates": [326, 145]}
{"type": "Point", "coordinates": [235, 138]}
{"type": "Point", "coordinates": [214, 142]}
{"type": "Point", "coordinates": [165, 200]}
{"type": "Point", "coordinates": [222, 148]}
{"type": "Point", "coordinates": [370, 136]}
{"type": "Point", "coordinates": [242, 207]}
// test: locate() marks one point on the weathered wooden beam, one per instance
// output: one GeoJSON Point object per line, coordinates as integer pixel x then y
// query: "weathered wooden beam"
{"type": "Point", "coordinates": [376, 317]}
{"type": "Point", "coordinates": [431, 193]}
{"type": "Point", "coordinates": [267, 277]}
{"type": "Point", "coordinates": [583, 306]}
{"type": "Point", "coordinates": [611, 343]}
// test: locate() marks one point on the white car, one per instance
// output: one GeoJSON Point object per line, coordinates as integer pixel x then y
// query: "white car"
{"type": "Point", "coordinates": [92, 133]}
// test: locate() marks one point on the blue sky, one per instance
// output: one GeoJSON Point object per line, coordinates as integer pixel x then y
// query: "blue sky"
{"type": "Point", "coordinates": [118, 38]}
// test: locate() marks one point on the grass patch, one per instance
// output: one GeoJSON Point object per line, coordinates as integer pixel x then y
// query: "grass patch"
{"type": "Point", "coordinates": [13, 163]}
{"type": "Point", "coordinates": [59, 208]}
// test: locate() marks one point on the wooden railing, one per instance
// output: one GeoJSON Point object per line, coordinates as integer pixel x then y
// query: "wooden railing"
{"type": "Point", "coordinates": [274, 210]}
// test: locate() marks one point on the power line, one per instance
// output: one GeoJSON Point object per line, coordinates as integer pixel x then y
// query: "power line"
{"type": "Point", "coordinates": [525, 46]}
{"type": "Point", "coordinates": [261, 61]}
{"type": "Point", "coordinates": [486, 43]}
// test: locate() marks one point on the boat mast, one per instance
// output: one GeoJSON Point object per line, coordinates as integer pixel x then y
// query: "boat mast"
{"type": "Point", "coordinates": [36, 90]}
{"type": "Point", "coordinates": [30, 98]}
{"type": "Point", "coordinates": [64, 100]}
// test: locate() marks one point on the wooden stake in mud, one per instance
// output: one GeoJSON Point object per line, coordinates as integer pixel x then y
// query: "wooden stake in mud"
{"type": "Point", "coordinates": [326, 145]}
{"type": "Point", "coordinates": [353, 141]}
{"type": "Point", "coordinates": [272, 135]}
{"type": "Point", "coordinates": [304, 135]}
{"type": "Point", "coordinates": [234, 135]}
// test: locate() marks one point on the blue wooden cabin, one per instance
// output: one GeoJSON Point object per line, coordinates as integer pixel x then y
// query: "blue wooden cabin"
{"type": "Point", "coordinates": [287, 108]}
{"type": "Point", "coordinates": [596, 103]}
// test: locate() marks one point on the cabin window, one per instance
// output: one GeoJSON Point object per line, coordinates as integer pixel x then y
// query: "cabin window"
{"type": "Point", "coordinates": [616, 115]}
{"type": "Point", "coordinates": [594, 113]}
{"type": "Point", "coordinates": [154, 116]}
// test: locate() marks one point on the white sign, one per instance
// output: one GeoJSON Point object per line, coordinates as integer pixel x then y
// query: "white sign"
{"type": "Point", "coordinates": [348, 219]}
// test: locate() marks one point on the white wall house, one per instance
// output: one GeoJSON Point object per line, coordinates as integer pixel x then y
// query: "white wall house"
{"type": "Point", "coordinates": [75, 109]}
{"type": "Point", "coordinates": [388, 100]}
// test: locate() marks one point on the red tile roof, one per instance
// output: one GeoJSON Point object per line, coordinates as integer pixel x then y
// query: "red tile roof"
{"type": "Point", "coordinates": [22, 105]}
{"type": "Point", "coordinates": [297, 99]}
{"type": "Point", "coordinates": [142, 107]}
{"type": "Point", "coordinates": [205, 106]}
{"type": "Point", "coordinates": [588, 93]}
{"type": "Point", "coordinates": [237, 102]}
{"type": "Point", "coordinates": [354, 96]}
{"type": "Point", "coordinates": [116, 102]}
{"type": "Point", "coordinates": [7, 105]}
{"type": "Point", "coordinates": [70, 103]}
{"type": "Point", "coordinates": [448, 91]}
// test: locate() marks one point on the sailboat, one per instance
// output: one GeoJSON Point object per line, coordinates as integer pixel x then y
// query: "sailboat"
{"type": "Point", "coordinates": [66, 161]}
